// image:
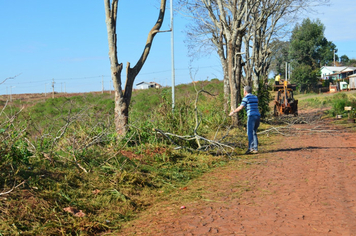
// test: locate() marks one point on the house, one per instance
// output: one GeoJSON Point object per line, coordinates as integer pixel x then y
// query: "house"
{"type": "Point", "coordinates": [337, 72]}
{"type": "Point", "coordinates": [330, 70]}
{"type": "Point", "coordinates": [349, 71]}
{"type": "Point", "coordinates": [145, 85]}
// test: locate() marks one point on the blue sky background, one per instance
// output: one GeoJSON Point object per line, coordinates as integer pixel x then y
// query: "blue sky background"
{"type": "Point", "coordinates": [67, 41]}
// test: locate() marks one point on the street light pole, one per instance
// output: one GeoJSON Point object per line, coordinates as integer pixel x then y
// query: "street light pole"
{"type": "Point", "coordinates": [172, 50]}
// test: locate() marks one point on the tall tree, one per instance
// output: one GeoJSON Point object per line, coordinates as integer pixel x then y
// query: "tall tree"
{"type": "Point", "coordinates": [344, 59]}
{"type": "Point", "coordinates": [279, 56]}
{"type": "Point", "coordinates": [269, 23]}
{"type": "Point", "coordinates": [223, 23]}
{"type": "Point", "coordinates": [123, 96]}
{"type": "Point", "coordinates": [265, 23]}
{"type": "Point", "coordinates": [228, 25]}
{"type": "Point", "coordinates": [309, 50]}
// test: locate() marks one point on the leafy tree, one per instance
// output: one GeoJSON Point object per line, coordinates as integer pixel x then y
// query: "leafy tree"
{"type": "Point", "coordinates": [308, 51]}
{"type": "Point", "coordinates": [326, 53]}
{"type": "Point", "coordinates": [352, 62]}
{"type": "Point", "coordinates": [279, 56]}
{"type": "Point", "coordinates": [305, 77]}
{"type": "Point", "coordinates": [344, 60]}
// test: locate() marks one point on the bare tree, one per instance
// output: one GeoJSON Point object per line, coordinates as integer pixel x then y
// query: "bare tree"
{"type": "Point", "coordinates": [229, 25]}
{"type": "Point", "coordinates": [224, 24]}
{"type": "Point", "coordinates": [123, 96]}
{"type": "Point", "coordinates": [268, 21]}
{"type": "Point", "coordinates": [13, 77]}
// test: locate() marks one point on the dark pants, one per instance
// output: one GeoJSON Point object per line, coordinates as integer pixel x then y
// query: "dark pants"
{"type": "Point", "coordinates": [253, 122]}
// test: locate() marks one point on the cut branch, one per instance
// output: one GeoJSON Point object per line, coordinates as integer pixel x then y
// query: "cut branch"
{"type": "Point", "coordinates": [15, 187]}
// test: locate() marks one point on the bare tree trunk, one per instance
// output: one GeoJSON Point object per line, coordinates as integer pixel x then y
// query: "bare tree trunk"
{"type": "Point", "coordinates": [232, 80]}
{"type": "Point", "coordinates": [238, 68]}
{"type": "Point", "coordinates": [123, 99]}
{"type": "Point", "coordinates": [226, 93]}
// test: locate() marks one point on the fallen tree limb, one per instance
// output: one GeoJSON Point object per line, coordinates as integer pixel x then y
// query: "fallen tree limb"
{"type": "Point", "coordinates": [211, 143]}
{"type": "Point", "coordinates": [15, 187]}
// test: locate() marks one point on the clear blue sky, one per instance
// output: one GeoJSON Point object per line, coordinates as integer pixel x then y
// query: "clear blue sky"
{"type": "Point", "coordinates": [67, 41]}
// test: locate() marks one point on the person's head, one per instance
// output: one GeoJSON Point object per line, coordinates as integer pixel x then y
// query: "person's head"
{"type": "Point", "coordinates": [247, 89]}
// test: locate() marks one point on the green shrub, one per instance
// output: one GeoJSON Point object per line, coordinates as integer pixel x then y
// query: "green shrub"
{"type": "Point", "coordinates": [339, 102]}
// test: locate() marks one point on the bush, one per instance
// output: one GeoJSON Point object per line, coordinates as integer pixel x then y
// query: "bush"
{"type": "Point", "coordinates": [339, 102]}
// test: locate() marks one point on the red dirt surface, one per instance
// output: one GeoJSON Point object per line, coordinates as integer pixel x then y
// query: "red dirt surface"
{"type": "Point", "coordinates": [303, 184]}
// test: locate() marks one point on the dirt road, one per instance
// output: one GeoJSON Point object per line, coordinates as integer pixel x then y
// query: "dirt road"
{"type": "Point", "coordinates": [303, 186]}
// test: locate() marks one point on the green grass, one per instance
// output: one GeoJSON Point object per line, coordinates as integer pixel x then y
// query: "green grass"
{"type": "Point", "coordinates": [334, 102]}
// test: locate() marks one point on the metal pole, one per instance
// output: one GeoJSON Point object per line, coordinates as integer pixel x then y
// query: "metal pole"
{"type": "Point", "coordinates": [172, 50]}
{"type": "Point", "coordinates": [102, 84]}
{"type": "Point", "coordinates": [53, 88]}
{"type": "Point", "coordinates": [286, 78]}
{"type": "Point", "coordinates": [110, 85]}
{"type": "Point", "coordinates": [334, 58]}
{"type": "Point", "coordinates": [45, 89]}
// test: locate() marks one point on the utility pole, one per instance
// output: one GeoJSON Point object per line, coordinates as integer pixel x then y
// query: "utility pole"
{"type": "Point", "coordinates": [110, 85]}
{"type": "Point", "coordinates": [65, 87]}
{"type": "Point", "coordinates": [102, 84]}
{"type": "Point", "coordinates": [61, 87]}
{"type": "Point", "coordinates": [334, 59]}
{"type": "Point", "coordinates": [172, 50]}
{"type": "Point", "coordinates": [53, 88]}
{"type": "Point", "coordinates": [46, 89]}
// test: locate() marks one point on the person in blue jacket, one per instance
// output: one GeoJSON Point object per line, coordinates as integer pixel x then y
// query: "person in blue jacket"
{"type": "Point", "coordinates": [250, 103]}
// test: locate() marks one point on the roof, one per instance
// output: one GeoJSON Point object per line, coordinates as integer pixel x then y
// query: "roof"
{"type": "Point", "coordinates": [349, 69]}
{"type": "Point", "coordinates": [149, 83]}
{"type": "Point", "coordinates": [142, 83]}
{"type": "Point", "coordinates": [334, 68]}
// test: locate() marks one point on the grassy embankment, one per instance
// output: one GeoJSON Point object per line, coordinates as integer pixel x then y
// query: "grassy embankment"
{"type": "Point", "coordinates": [63, 152]}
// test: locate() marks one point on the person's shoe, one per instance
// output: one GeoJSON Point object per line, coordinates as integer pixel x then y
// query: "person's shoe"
{"type": "Point", "coordinates": [254, 151]}
{"type": "Point", "coordinates": [248, 152]}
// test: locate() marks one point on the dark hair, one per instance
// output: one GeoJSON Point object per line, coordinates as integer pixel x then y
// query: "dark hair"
{"type": "Point", "coordinates": [248, 89]}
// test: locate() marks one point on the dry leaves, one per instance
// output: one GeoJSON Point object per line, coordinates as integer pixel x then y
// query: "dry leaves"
{"type": "Point", "coordinates": [74, 211]}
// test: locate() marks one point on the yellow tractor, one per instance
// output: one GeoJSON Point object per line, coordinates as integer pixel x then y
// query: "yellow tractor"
{"type": "Point", "coordinates": [285, 103]}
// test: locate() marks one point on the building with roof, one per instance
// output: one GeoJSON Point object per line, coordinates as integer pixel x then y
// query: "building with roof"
{"type": "Point", "coordinates": [147, 85]}
{"type": "Point", "coordinates": [337, 72]}
{"type": "Point", "coordinates": [330, 70]}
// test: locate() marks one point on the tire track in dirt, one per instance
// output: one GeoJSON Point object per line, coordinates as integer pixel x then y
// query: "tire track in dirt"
{"type": "Point", "coordinates": [303, 186]}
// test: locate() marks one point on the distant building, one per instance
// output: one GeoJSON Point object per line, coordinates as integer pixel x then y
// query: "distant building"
{"type": "Point", "coordinates": [337, 72]}
{"type": "Point", "coordinates": [147, 85]}
{"type": "Point", "coordinates": [330, 70]}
